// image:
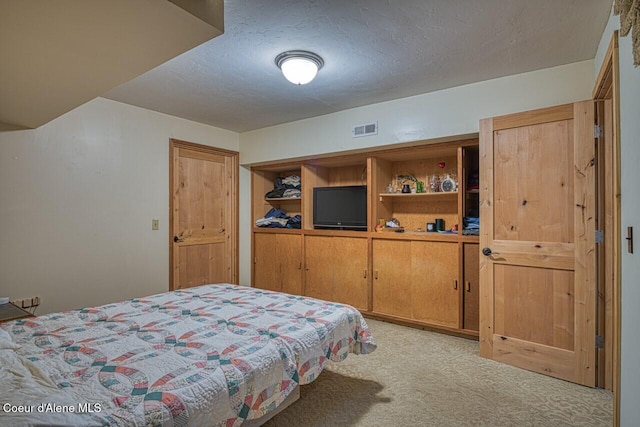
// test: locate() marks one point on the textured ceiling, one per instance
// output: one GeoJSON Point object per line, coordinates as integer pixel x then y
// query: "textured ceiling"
{"type": "Point", "coordinates": [374, 51]}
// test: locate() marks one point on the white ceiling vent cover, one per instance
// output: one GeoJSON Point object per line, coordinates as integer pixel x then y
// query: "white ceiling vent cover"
{"type": "Point", "coordinates": [366, 129]}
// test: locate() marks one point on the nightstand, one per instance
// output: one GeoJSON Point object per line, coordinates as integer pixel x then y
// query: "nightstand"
{"type": "Point", "coordinates": [9, 311]}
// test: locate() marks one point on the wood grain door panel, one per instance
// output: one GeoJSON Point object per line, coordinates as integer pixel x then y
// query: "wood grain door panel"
{"type": "Point", "coordinates": [535, 305]}
{"type": "Point", "coordinates": [201, 264]}
{"type": "Point", "coordinates": [533, 188]}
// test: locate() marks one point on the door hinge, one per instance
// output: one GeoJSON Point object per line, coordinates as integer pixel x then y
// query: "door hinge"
{"type": "Point", "coordinates": [599, 341]}
{"type": "Point", "coordinates": [597, 131]}
{"type": "Point", "coordinates": [599, 236]}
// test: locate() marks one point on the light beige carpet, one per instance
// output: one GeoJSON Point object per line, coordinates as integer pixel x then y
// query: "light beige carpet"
{"type": "Point", "coordinates": [420, 378]}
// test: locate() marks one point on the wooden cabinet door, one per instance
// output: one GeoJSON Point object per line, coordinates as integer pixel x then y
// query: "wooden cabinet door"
{"type": "Point", "coordinates": [537, 214]}
{"type": "Point", "coordinates": [289, 252]}
{"type": "Point", "coordinates": [266, 263]}
{"type": "Point", "coordinates": [320, 260]}
{"type": "Point", "coordinates": [392, 277]}
{"type": "Point", "coordinates": [336, 269]}
{"type": "Point", "coordinates": [350, 266]}
{"type": "Point", "coordinates": [434, 283]}
{"type": "Point", "coordinates": [471, 289]}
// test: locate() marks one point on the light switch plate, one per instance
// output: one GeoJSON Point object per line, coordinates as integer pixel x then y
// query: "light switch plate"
{"type": "Point", "coordinates": [155, 224]}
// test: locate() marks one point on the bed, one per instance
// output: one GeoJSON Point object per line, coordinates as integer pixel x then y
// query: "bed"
{"type": "Point", "coordinates": [218, 355]}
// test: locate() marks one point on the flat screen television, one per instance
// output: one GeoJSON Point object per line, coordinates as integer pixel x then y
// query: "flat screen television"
{"type": "Point", "coordinates": [342, 207]}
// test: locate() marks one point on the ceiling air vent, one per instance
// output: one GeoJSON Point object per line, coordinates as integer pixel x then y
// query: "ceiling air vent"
{"type": "Point", "coordinates": [365, 130]}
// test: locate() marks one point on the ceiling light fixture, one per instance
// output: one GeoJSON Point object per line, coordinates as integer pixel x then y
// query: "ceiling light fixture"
{"type": "Point", "coordinates": [299, 66]}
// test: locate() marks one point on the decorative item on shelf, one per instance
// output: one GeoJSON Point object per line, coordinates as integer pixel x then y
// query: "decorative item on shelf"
{"type": "Point", "coordinates": [390, 188]}
{"type": "Point", "coordinates": [434, 184]}
{"type": "Point", "coordinates": [448, 184]}
{"type": "Point", "coordinates": [439, 224]}
{"type": "Point", "coordinates": [431, 227]}
{"type": "Point", "coordinates": [418, 186]}
{"type": "Point", "coordinates": [393, 223]}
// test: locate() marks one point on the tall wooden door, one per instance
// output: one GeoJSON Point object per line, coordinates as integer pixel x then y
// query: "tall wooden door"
{"type": "Point", "coordinates": [203, 206]}
{"type": "Point", "coordinates": [537, 235]}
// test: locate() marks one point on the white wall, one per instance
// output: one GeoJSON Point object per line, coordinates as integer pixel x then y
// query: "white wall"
{"type": "Point", "coordinates": [630, 200]}
{"type": "Point", "coordinates": [439, 114]}
{"type": "Point", "coordinates": [443, 113]}
{"type": "Point", "coordinates": [77, 197]}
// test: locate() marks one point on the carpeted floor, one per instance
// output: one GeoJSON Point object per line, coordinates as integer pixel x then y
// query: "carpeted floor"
{"type": "Point", "coordinates": [420, 378]}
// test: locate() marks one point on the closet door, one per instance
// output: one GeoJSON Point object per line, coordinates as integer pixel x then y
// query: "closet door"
{"type": "Point", "coordinates": [537, 215]}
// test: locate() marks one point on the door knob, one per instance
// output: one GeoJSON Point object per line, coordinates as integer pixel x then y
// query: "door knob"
{"type": "Point", "coordinates": [487, 252]}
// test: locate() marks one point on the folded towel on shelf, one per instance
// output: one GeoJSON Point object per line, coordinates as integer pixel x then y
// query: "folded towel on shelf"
{"type": "Point", "coordinates": [471, 225]}
{"type": "Point", "coordinates": [276, 218]}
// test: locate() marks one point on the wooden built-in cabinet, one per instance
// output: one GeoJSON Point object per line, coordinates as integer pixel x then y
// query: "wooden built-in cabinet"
{"type": "Point", "coordinates": [277, 262]}
{"type": "Point", "coordinates": [336, 269]}
{"type": "Point", "coordinates": [416, 280]}
{"type": "Point", "coordinates": [471, 294]}
{"type": "Point", "coordinates": [417, 277]}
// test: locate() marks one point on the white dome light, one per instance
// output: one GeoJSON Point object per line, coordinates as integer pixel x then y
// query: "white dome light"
{"type": "Point", "coordinates": [299, 66]}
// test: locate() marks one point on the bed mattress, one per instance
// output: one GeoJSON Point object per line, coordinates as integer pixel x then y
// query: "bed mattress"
{"type": "Point", "coordinates": [210, 355]}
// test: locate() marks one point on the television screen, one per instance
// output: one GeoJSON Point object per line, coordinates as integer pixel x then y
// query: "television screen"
{"type": "Point", "coordinates": [340, 207]}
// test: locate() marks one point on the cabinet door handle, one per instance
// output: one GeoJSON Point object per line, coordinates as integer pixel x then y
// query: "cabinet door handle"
{"type": "Point", "coordinates": [468, 286]}
{"type": "Point", "coordinates": [365, 273]}
{"type": "Point", "coordinates": [455, 284]}
{"type": "Point", "coordinates": [300, 266]}
{"type": "Point", "coordinates": [375, 274]}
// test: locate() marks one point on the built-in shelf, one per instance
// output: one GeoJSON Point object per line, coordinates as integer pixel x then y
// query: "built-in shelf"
{"type": "Point", "coordinates": [280, 199]}
{"type": "Point", "coordinates": [443, 195]}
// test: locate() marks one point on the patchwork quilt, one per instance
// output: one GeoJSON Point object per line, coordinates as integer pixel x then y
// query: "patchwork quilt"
{"type": "Point", "coordinates": [211, 355]}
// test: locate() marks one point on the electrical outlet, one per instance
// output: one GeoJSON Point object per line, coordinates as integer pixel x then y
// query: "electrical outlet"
{"type": "Point", "coordinates": [155, 224]}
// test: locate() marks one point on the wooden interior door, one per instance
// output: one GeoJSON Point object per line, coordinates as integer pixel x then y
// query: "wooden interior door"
{"type": "Point", "coordinates": [537, 215]}
{"type": "Point", "coordinates": [203, 215]}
